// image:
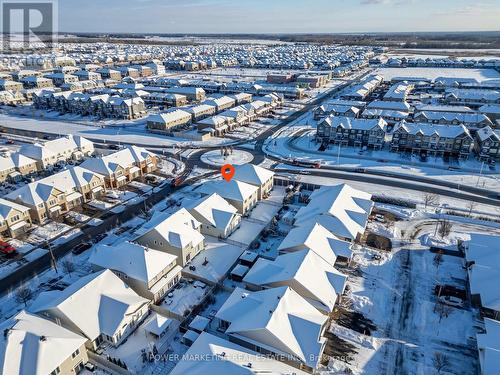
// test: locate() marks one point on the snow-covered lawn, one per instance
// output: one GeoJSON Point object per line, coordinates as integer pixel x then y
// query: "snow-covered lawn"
{"type": "Point", "coordinates": [432, 73]}
{"type": "Point", "coordinates": [237, 157]}
{"type": "Point", "coordinates": [219, 258]}
{"type": "Point", "coordinates": [47, 231]}
{"type": "Point", "coordinates": [185, 298]}
{"type": "Point", "coordinates": [396, 292]}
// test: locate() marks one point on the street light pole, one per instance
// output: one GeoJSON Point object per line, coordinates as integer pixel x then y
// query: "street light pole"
{"type": "Point", "coordinates": [480, 173]}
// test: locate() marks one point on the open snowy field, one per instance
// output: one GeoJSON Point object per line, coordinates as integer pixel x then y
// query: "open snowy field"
{"type": "Point", "coordinates": [431, 73]}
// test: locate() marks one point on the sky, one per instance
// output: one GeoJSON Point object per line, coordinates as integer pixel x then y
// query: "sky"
{"type": "Point", "coordinates": [277, 16]}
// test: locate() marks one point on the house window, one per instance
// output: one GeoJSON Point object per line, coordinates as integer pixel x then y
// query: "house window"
{"type": "Point", "coordinates": [77, 351]}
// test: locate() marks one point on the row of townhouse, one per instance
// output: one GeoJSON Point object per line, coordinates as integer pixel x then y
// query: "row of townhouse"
{"type": "Point", "coordinates": [435, 139]}
{"type": "Point", "coordinates": [228, 120]}
{"type": "Point", "coordinates": [471, 97]}
{"type": "Point", "coordinates": [364, 88]}
{"type": "Point", "coordinates": [90, 105]}
{"type": "Point", "coordinates": [301, 286]}
{"type": "Point", "coordinates": [218, 214]}
{"type": "Point", "coordinates": [59, 193]}
{"type": "Point", "coordinates": [348, 131]}
{"type": "Point", "coordinates": [34, 158]}
{"type": "Point", "coordinates": [223, 106]}
{"type": "Point", "coordinates": [454, 140]}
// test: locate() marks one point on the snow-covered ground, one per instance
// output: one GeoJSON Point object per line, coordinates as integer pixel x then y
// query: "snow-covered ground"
{"type": "Point", "coordinates": [431, 73]}
{"type": "Point", "coordinates": [395, 292]}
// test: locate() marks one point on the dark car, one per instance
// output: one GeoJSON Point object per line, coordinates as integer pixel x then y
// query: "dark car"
{"type": "Point", "coordinates": [99, 237]}
{"type": "Point", "coordinates": [80, 248]}
{"type": "Point", "coordinates": [113, 147]}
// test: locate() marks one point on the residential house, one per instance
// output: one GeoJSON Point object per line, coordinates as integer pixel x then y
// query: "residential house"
{"type": "Point", "coordinates": [201, 111]}
{"type": "Point", "coordinates": [221, 103]}
{"type": "Point", "coordinates": [308, 274]}
{"type": "Point", "coordinates": [7, 85]}
{"type": "Point", "coordinates": [33, 82]}
{"type": "Point", "coordinates": [315, 237]}
{"type": "Point", "coordinates": [230, 359]}
{"type": "Point", "coordinates": [60, 149]}
{"type": "Point", "coordinates": [217, 217]}
{"type": "Point", "coordinates": [123, 166]}
{"type": "Point", "coordinates": [341, 209]}
{"type": "Point", "coordinates": [36, 346]}
{"type": "Point", "coordinates": [257, 176]}
{"type": "Point", "coordinates": [100, 307]}
{"type": "Point", "coordinates": [54, 195]}
{"type": "Point", "coordinates": [14, 218]}
{"type": "Point", "coordinates": [177, 234]}
{"type": "Point", "coordinates": [276, 321]}
{"type": "Point", "coordinates": [150, 273]}
{"type": "Point", "coordinates": [239, 194]}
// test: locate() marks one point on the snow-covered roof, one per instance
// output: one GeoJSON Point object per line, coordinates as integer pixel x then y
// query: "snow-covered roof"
{"type": "Point", "coordinates": [397, 106]}
{"type": "Point", "coordinates": [316, 237]}
{"type": "Point", "coordinates": [133, 260]}
{"type": "Point", "coordinates": [488, 345]}
{"type": "Point", "coordinates": [464, 117]}
{"type": "Point", "coordinates": [341, 209]}
{"type": "Point", "coordinates": [108, 164]}
{"type": "Point", "coordinates": [487, 132]}
{"type": "Point", "coordinates": [65, 181]}
{"type": "Point", "coordinates": [232, 190]}
{"type": "Point", "coordinates": [252, 174]}
{"type": "Point", "coordinates": [278, 319]}
{"type": "Point", "coordinates": [484, 252]}
{"type": "Point", "coordinates": [354, 123]}
{"type": "Point", "coordinates": [305, 272]}
{"type": "Point", "coordinates": [178, 229]}
{"type": "Point", "coordinates": [7, 206]}
{"type": "Point", "coordinates": [32, 345]}
{"type": "Point", "coordinates": [97, 303]}
{"type": "Point", "coordinates": [428, 129]}
{"type": "Point", "coordinates": [215, 211]}
{"type": "Point", "coordinates": [226, 358]}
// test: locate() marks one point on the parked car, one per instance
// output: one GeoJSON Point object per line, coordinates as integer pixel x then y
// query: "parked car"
{"type": "Point", "coordinates": [113, 147]}
{"type": "Point", "coordinates": [99, 237]}
{"type": "Point", "coordinates": [452, 301]}
{"type": "Point", "coordinates": [7, 249]}
{"type": "Point", "coordinates": [80, 248]}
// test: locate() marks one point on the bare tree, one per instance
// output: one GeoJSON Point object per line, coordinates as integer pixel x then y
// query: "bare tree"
{"type": "Point", "coordinates": [23, 294]}
{"type": "Point", "coordinates": [438, 259]}
{"type": "Point", "coordinates": [68, 266]}
{"type": "Point", "coordinates": [470, 206]}
{"type": "Point", "coordinates": [441, 362]}
{"type": "Point", "coordinates": [445, 228]}
{"type": "Point", "coordinates": [430, 199]}
{"type": "Point", "coordinates": [443, 310]}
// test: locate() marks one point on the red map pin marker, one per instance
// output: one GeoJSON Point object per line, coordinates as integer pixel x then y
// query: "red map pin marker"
{"type": "Point", "coordinates": [227, 172]}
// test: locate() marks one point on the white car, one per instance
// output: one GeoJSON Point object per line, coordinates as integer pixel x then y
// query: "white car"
{"type": "Point", "coordinates": [452, 301]}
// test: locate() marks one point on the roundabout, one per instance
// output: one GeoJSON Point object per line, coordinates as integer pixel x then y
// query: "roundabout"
{"type": "Point", "coordinates": [236, 157]}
